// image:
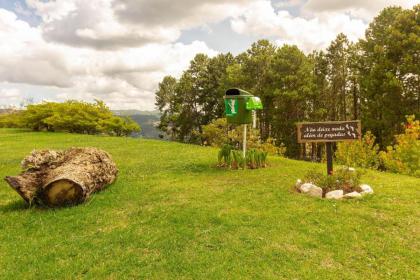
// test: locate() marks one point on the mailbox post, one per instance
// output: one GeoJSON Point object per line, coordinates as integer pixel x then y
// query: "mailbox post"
{"type": "Point", "coordinates": [239, 107]}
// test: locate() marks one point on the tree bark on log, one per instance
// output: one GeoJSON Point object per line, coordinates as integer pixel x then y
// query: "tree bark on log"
{"type": "Point", "coordinates": [60, 178]}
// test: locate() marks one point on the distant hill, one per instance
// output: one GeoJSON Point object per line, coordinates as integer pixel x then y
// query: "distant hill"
{"type": "Point", "coordinates": [148, 121]}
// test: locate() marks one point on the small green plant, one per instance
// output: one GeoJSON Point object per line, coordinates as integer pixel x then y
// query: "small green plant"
{"type": "Point", "coordinates": [234, 159]}
{"type": "Point", "coordinates": [224, 156]}
{"type": "Point", "coordinates": [342, 179]}
{"type": "Point", "coordinates": [238, 160]}
{"type": "Point", "coordinates": [256, 159]}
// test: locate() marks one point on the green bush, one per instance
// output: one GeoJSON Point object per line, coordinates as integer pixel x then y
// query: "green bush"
{"type": "Point", "coordinates": [12, 119]}
{"type": "Point", "coordinates": [404, 156]}
{"type": "Point", "coordinates": [218, 132]}
{"type": "Point", "coordinates": [362, 153]}
{"type": "Point", "coordinates": [342, 179]}
{"type": "Point", "coordinates": [71, 116]}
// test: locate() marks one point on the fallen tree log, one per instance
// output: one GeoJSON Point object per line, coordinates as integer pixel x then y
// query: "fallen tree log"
{"type": "Point", "coordinates": [60, 178]}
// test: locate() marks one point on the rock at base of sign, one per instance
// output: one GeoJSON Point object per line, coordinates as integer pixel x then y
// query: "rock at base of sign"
{"type": "Point", "coordinates": [353, 195]}
{"type": "Point", "coordinates": [311, 189]}
{"type": "Point", "coordinates": [366, 189]}
{"type": "Point", "coordinates": [315, 191]}
{"type": "Point", "coordinates": [337, 194]}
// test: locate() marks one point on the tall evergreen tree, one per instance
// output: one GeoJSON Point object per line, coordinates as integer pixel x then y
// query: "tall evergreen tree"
{"type": "Point", "coordinates": [390, 84]}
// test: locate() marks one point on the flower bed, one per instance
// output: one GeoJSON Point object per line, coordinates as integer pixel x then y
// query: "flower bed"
{"type": "Point", "coordinates": [344, 183]}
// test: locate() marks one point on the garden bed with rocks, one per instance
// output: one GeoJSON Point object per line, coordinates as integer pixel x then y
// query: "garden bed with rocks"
{"type": "Point", "coordinates": [343, 184]}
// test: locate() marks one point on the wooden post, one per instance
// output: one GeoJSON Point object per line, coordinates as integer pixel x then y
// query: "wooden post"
{"type": "Point", "coordinates": [329, 158]}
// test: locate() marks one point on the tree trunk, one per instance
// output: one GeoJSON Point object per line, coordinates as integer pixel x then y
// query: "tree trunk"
{"type": "Point", "coordinates": [59, 178]}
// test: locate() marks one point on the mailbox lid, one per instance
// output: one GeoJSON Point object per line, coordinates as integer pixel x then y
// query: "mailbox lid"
{"type": "Point", "coordinates": [237, 92]}
{"type": "Point", "coordinates": [254, 103]}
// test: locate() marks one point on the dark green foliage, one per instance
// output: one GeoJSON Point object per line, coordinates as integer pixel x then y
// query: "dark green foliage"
{"type": "Point", "coordinates": [389, 72]}
{"type": "Point", "coordinates": [73, 117]}
{"type": "Point", "coordinates": [342, 179]}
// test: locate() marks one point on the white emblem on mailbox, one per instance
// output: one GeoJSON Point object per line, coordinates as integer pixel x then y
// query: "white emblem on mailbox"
{"type": "Point", "coordinates": [232, 106]}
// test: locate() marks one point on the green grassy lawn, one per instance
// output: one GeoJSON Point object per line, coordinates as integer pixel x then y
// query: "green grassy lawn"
{"type": "Point", "coordinates": [172, 214]}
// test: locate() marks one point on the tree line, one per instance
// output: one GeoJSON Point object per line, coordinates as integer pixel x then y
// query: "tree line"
{"type": "Point", "coordinates": [70, 116]}
{"type": "Point", "coordinates": [375, 80]}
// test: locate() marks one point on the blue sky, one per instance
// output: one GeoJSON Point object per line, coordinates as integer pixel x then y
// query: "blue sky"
{"type": "Point", "coordinates": [119, 50]}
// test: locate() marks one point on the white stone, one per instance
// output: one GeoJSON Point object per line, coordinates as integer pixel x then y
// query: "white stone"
{"type": "Point", "coordinates": [311, 189]}
{"type": "Point", "coordinates": [337, 194]}
{"type": "Point", "coordinates": [298, 182]}
{"type": "Point", "coordinates": [366, 189]}
{"type": "Point", "coordinates": [305, 187]}
{"type": "Point", "coordinates": [351, 169]}
{"type": "Point", "coordinates": [352, 195]}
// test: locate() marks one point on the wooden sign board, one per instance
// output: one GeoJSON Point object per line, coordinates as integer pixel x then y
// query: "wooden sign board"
{"type": "Point", "coordinates": [329, 131]}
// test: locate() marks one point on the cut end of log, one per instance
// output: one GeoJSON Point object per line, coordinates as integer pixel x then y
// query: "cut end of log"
{"type": "Point", "coordinates": [62, 192]}
{"type": "Point", "coordinates": [63, 178]}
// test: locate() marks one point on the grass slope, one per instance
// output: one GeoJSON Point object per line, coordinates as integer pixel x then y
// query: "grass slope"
{"type": "Point", "coordinates": [171, 214]}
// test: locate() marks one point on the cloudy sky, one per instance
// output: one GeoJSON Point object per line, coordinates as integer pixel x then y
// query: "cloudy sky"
{"type": "Point", "coordinates": [119, 50]}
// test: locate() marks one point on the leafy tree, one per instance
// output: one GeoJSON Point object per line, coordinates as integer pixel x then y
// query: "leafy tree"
{"type": "Point", "coordinates": [337, 75]}
{"type": "Point", "coordinates": [291, 73]}
{"type": "Point", "coordinates": [390, 84]}
{"type": "Point", "coordinates": [165, 102]}
{"type": "Point", "coordinates": [74, 117]}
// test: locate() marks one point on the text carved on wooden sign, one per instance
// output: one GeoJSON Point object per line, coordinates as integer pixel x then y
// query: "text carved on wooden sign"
{"type": "Point", "coordinates": [328, 131]}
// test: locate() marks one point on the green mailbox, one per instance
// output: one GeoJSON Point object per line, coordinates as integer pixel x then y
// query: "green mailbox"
{"type": "Point", "coordinates": [239, 105]}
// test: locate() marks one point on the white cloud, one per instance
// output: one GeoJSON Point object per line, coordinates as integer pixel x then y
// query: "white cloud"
{"type": "Point", "coordinates": [119, 50]}
{"type": "Point", "coordinates": [123, 78]}
{"type": "Point", "coordinates": [260, 19]}
{"type": "Point", "coordinates": [10, 96]}
{"type": "Point", "coordinates": [182, 14]}
{"type": "Point", "coordinates": [10, 93]}
{"type": "Point", "coordinates": [52, 10]}
{"type": "Point", "coordinates": [365, 9]}
{"type": "Point", "coordinates": [114, 24]}
{"type": "Point", "coordinates": [288, 3]}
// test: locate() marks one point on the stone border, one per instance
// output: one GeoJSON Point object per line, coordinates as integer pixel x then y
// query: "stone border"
{"type": "Point", "coordinates": [315, 191]}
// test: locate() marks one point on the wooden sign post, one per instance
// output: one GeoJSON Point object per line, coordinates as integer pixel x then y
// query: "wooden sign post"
{"type": "Point", "coordinates": [328, 132]}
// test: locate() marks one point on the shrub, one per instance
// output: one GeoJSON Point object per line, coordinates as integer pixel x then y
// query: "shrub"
{"type": "Point", "coordinates": [71, 116]}
{"type": "Point", "coordinates": [362, 153]}
{"type": "Point", "coordinates": [404, 156]}
{"type": "Point", "coordinates": [342, 179]}
{"type": "Point", "coordinates": [217, 133]}
{"type": "Point", "coordinates": [12, 119]}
